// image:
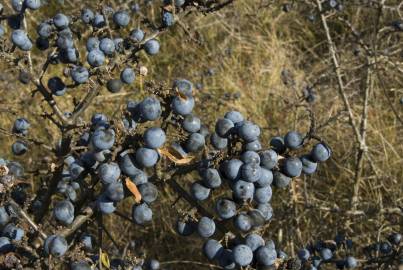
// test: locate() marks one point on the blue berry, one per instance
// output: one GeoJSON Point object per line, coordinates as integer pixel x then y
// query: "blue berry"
{"type": "Point", "coordinates": [55, 245]}
{"type": "Point", "coordinates": [5, 245]}
{"type": "Point", "coordinates": [119, 44]}
{"type": "Point", "coordinates": [149, 192]}
{"type": "Point", "coordinates": [351, 262]}
{"type": "Point", "coordinates": [64, 212]}
{"type": "Point", "coordinates": [61, 21]}
{"type": "Point", "coordinates": [243, 222]}
{"type": "Point", "coordinates": [212, 249]}
{"type": "Point", "coordinates": [13, 232]}
{"type": "Point", "coordinates": [254, 241]}
{"type": "Point", "coordinates": [79, 74]}
{"type": "Point", "coordinates": [206, 227]}
{"type": "Point", "coordinates": [87, 15]}
{"type": "Point", "coordinates": [394, 238]}
{"type": "Point", "coordinates": [150, 109]}
{"type": "Point", "coordinates": [154, 137]}
{"type": "Point", "coordinates": [107, 46]}
{"type": "Point", "coordinates": [127, 75]}
{"type": "Point", "coordinates": [21, 125]}
{"type": "Point", "coordinates": [103, 139]}
{"type": "Point", "coordinates": [243, 190]}
{"type": "Point", "coordinates": [146, 157]}
{"type": "Point", "coordinates": [195, 142]}
{"type": "Point", "coordinates": [33, 4]}
{"type": "Point", "coordinates": [185, 228]}
{"type": "Point", "coordinates": [320, 152]}
{"type": "Point", "coordinates": [182, 106]}
{"type": "Point", "coordinates": [121, 18]}
{"type": "Point", "coordinates": [224, 127]}
{"type": "Point", "coordinates": [303, 254]}
{"type": "Point", "coordinates": [64, 42]}
{"type": "Point", "coordinates": [253, 146]}
{"type": "Point", "coordinates": [70, 55]}
{"type": "Point", "coordinates": [44, 30]}
{"type": "Point", "coordinates": [152, 265]}
{"type": "Point", "coordinates": [92, 44]}
{"type": "Point", "coordinates": [280, 180]}
{"type": "Point", "coordinates": [266, 256]}
{"type": "Point", "coordinates": [2, 31]}
{"type": "Point", "coordinates": [137, 35]}
{"type": "Point", "coordinates": [152, 47]}
{"type": "Point", "coordinates": [292, 167]}
{"type": "Point", "coordinates": [266, 178]}
{"type": "Point", "coordinates": [127, 163]}
{"type": "Point", "coordinates": [21, 40]}
{"type": "Point", "coordinates": [250, 157]}
{"type": "Point", "coordinates": [96, 58]}
{"type": "Point", "coordinates": [385, 248]}
{"type": "Point", "coordinates": [226, 259]}
{"type": "Point", "coordinates": [57, 86]}
{"type": "Point", "coordinates": [139, 178]}
{"type": "Point", "coordinates": [211, 178]}
{"type": "Point", "coordinates": [114, 85]}
{"type": "Point", "coordinates": [179, 3]}
{"type": "Point", "coordinates": [277, 143]}
{"type": "Point", "coordinates": [234, 116]}
{"type": "Point", "coordinates": [308, 166]}
{"type": "Point", "coordinates": [232, 169]}
{"type": "Point", "coordinates": [251, 172]}
{"type": "Point", "coordinates": [167, 19]}
{"type": "Point", "coordinates": [225, 208]}
{"type": "Point", "coordinates": [17, 5]}
{"type": "Point", "coordinates": [248, 131]}
{"type": "Point", "coordinates": [218, 142]}
{"type": "Point", "coordinates": [243, 255]}
{"type": "Point", "coordinates": [263, 194]}
{"type": "Point", "coordinates": [99, 21]}
{"type": "Point", "coordinates": [191, 123]}
{"type": "Point", "coordinates": [142, 214]}
{"type": "Point", "coordinates": [184, 87]}
{"type": "Point", "coordinates": [268, 159]}
{"type": "Point", "coordinates": [199, 191]}
{"type": "Point", "coordinates": [114, 191]}
{"type": "Point", "coordinates": [4, 216]}
{"type": "Point", "coordinates": [105, 205]}
{"type": "Point", "coordinates": [293, 140]}
{"type": "Point", "coordinates": [135, 8]}
{"type": "Point", "coordinates": [326, 254]}
{"type": "Point", "coordinates": [19, 148]}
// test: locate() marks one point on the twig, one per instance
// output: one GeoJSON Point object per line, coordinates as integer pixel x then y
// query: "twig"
{"type": "Point", "coordinates": [85, 103]}
{"type": "Point", "coordinates": [341, 87]}
{"type": "Point", "coordinates": [363, 130]}
{"type": "Point", "coordinates": [78, 221]}
{"type": "Point", "coordinates": [34, 141]}
{"type": "Point", "coordinates": [24, 21]}
{"type": "Point", "coordinates": [191, 262]}
{"type": "Point", "coordinates": [24, 215]}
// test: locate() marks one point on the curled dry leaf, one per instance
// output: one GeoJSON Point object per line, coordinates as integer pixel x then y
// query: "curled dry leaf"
{"type": "Point", "coordinates": [104, 259]}
{"type": "Point", "coordinates": [181, 95]}
{"type": "Point", "coordinates": [3, 170]}
{"type": "Point", "coordinates": [133, 189]}
{"type": "Point", "coordinates": [174, 156]}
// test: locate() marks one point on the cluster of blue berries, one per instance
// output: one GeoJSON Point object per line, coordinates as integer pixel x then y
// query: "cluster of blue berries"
{"type": "Point", "coordinates": [11, 233]}
{"type": "Point", "coordinates": [103, 46]}
{"type": "Point", "coordinates": [249, 173]}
